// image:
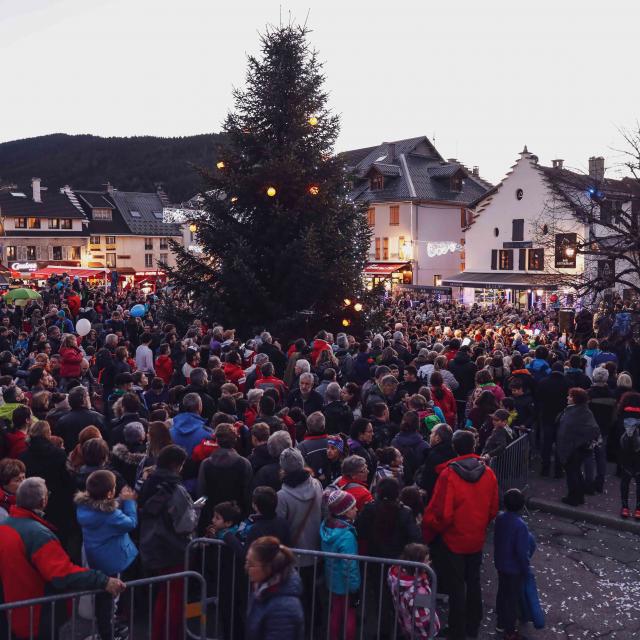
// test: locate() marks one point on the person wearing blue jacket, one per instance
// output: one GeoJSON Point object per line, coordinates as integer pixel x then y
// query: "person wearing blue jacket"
{"type": "Point", "coordinates": [539, 366]}
{"type": "Point", "coordinates": [105, 532]}
{"type": "Point", "coordinates": [189, 427]}
{"type": "Point", "coordinates": [338, 535]}
{"type": "Point", "coordinates": [511, 557]}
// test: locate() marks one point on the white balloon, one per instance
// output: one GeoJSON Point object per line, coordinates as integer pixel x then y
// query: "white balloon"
{"type": "Point", "coordinates": [83, 326]}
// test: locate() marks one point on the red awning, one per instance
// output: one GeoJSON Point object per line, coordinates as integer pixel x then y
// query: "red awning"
{"type": "Point", "coordinates": [70, 271]}
{"type": "Point", "coordinates": [383, 268]}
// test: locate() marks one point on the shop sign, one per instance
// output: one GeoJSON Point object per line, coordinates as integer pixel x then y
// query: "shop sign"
{"type": "Point", "coordinates": [441, 248]}
{"type": "Point", "coordinates": [24, 266]}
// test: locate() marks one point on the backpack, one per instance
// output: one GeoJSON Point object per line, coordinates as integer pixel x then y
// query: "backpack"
{"type": "Point", "coordinates": [630, 439]}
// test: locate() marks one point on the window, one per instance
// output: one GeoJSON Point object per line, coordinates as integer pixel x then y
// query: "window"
{"type": "Point", "coordinates": [463, 218]}
{"type": "Point", "coordinates": [164, 258]}
{"type": "Point", "coordinates": [437, 280]}
{"type": "Point", "coordinates": [164, 243]}
{"type": "Point", "coordinates": [102, 214]}
{"type": "Point", "coordinates": [494, 259]}
{"type": "Point", "coordinates": [522, 259]}
{"type": "Point", "coordinates": [517, 230]}
{"type": "Point", "coordinates": [75, 253]}
{"type": "Point", "coordinates": [94, 240]}
{"type": "Point", "coordinates": [110, 239]}
{"type": "Point", "coordinates": [385, 248]}
{"type": "Point", "coordinates": [34, 223]}
{"type": "Point", "coordinates": [54, 223]}
{"type": "Point", "coordinates": [111, 260]}
{"type": "Point", "coordinates": [505, 259]}
{"type": "Point", "coordinates": [21, 223]}
{"type": "Point", "coordinates": [31, 252]}
{"type": "Point", "coordinates": [377, 183]}
{"type": "Point", "coordinates": [12, 254]}
{"type": "Point", "coordinates": [456, 183]}
{"type": "Point", "coordinates": [134, 213]}
{"type": "Point", "coordinates": [519, 194]}
{"type": "Point", "coordinates": [148, 244]}
{"type": "Point", "coordinates": [159, 215]}
{"type": "Point", "coordinates": [496, 232]}
{"type": "Point", "coordinates": [536, 260]}
{"type": "Point", "coordinates": [377, 248]}
{"type": "Point", "coordinates": [57, 253]}
{"type": "Point", "coordinates": [394, 214]}
{"type": "Point", "coordinates": [66, 223]}
{"type": "Point", "coordinates": [148, 259]}
{"type": "Point", "coordinates": [371, 216]}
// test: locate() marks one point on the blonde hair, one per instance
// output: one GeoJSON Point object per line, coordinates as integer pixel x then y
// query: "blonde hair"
{"type": "Point", "coordinates": [39, 429]}
{"type": "Point", "coordinates": [624, 380]}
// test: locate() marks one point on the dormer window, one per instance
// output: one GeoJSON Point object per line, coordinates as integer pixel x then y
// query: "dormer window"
{"type": "Point", "coordinates": [102, 214]}
{"type": "Point", "coordinates": [377, 182]}
{"type": "Point", "coordinates": [456, 183]}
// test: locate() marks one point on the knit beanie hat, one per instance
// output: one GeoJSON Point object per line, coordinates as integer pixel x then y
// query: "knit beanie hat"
{"type": "Point", "coordinates": [340, 502]}
{"type": "Point", "coordinates": [291, 460]}
{"type": "Point", "coordinates": [337, 442]}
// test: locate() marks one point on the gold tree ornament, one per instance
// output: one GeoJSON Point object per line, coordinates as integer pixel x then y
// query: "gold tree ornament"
{"type": "Point", "coordinates": [357, 306]}
{"type": "Point", "coordinates": [314, 189]}
{"type": "Point", "coordinates": [271, 191]}
{"type": "Point", "coordinates": [220, 164]}
{"type": "Point", "coordinates": [346, 322]}
{"type": "Point", "coordinates": [313, 121]}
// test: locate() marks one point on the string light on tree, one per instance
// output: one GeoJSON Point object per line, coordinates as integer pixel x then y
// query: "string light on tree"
{"type": "Point", "coordinates": [313, 121]}
{"type": "Point", "coordinates": [220, 164]}
{"type": "Point", "coordinates": [192, 227]}
{"type": "Point", "coordinates": [314, 189]}
{"type": "Point", "coordinates": [234, 199]}
{"type": "Point", "coordinates": [346, 322]}
{"type": "Point", "coordinates": [271, 192]}
{"type": "Point", "coordinates": [357, 306]}
{"type": "Point", "coordinates": [347, 302]}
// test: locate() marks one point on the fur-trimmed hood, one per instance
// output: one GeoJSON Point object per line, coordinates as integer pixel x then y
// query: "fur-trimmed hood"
{"type": "Point", "coordinates": [122, 453]}
{"type": "Point", "coordinates": [106, 505]}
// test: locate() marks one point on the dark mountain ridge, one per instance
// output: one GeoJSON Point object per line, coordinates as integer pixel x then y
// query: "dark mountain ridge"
{"type": "Point", "coordinates": [137, 163]}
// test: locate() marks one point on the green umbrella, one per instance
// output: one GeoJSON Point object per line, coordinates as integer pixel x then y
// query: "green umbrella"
{"type": "Point", "coordinates": [22, 296]}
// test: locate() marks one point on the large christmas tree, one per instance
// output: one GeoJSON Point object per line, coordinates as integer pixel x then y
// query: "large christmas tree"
{"type": "Point", "coordinates": [281, 242]}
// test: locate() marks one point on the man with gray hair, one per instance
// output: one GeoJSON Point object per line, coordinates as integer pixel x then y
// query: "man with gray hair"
{"type": "Point", "coordinates": [314, 446]}
{"type": "Point", "coordinates": [305, 396]}
{"type": "Point", "coordinates": [189, 427]}
{"type": "Point", "coordinates": [268, 475]}
{"type": "Point", "coordinates": [354, 480]}
{"type": "Point", "coordinates": [198, 380]}
{"type": "Point", "coordinates": [32, 560]}
{"type": "Point", "coordinates": [275, 354]}
{"type": "Point", "coordinates": [337, 413]}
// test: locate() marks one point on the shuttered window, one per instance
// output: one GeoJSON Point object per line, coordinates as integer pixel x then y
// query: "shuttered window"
{"type": "Point", "coordinates": [385, 248]}
{"type": "Point", "coordinates": [371, 216]}
{"type": "Point", "coordinates": [394, 214]}
{"type": "Point", "coordinates": [517, 233]}
{"type": "Point", "coordinates": [377, 248]}
{"type": "Point", "coordinates": [494, 259]}
{"type": "Point", "coordinates": [522, 259]}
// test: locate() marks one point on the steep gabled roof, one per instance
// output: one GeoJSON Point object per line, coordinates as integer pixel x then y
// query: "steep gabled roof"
{"type": "Point", "coordinates": [54, 205]}
{"type": "Point", "coordinates": [413, 170]}
{"type": "Point", "coordinates": [143, 213]}
{"type": "Point", "coordinates": [90, 200]}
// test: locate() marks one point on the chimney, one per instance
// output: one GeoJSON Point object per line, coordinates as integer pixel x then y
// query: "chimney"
{"type": "Point", "coordinates": [596, 168]}
{"type": "Point", "coordinates": [476, 171]}
{"type": "Point", "coordinates": [35, 186]}
{"type": "Point", "coordinates": [391, 152]}
{"type": "Point", "coordinates": [558, 164]}
{"type": "Point", "coordinates": [109, 188]}
{"type": "Point", "coordinates": [452, 160]}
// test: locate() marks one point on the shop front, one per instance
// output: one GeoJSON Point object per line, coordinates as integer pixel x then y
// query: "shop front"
{"type": "Point", "coordinates": [388, 274]}
{"type": "Point", "coordinates": [522, 290]}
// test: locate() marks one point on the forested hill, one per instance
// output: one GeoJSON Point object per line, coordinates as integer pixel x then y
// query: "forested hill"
{"type": "Point", "coordinates": [129, 164]}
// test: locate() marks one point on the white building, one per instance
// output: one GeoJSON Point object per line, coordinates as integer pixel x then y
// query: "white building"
{"type": "Point", "coordinates": [517, 246]}
{"type": "Point", "coordinates": [417, 207]}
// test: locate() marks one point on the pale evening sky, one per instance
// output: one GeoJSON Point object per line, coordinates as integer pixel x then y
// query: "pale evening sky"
{"type": "Point", "coordinates": [484, 77]}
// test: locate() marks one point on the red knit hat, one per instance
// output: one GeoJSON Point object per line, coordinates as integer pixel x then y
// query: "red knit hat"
{"type": "Point", "coordinates": [340, 502]}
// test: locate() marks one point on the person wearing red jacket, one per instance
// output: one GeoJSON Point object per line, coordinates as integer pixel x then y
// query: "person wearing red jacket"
{"type": "Point", "coordinates": [70, 358]}
{"type": "Point", "coordinates": [269, 381]}
{"type": "Point", "coordinates": [164, 364]}
{"type": "Point", "coordinates": [443, 397]}
{"type": "Point", "coordinates": [353, 480]}
{"type": "Point", "coordinates": [233, 371]}
{"type": "Point", "coordinates": [33, 560]}
{"type": "Point", "coordinates": [319, 344]}
{"type": "Point", "coordinates": [464, 502]}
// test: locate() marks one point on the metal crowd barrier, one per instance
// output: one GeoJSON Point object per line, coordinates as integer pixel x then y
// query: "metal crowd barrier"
{"type": "Point", "coordinates": [378, 615]}
{"type": "Point", "coordinates": [70, 616]}
{"type": "Point", "coordinates": [512, 465]}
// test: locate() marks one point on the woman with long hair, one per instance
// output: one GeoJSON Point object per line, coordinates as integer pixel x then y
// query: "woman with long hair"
{"type": "Point", "coordinates": [158, 437]}
{"type": "Point", "coordinates": [350, 395]}
{"type": "Point", "coordinates": [443, 398]}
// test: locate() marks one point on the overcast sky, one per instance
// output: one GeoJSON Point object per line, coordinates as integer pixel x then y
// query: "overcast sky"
{"type": "Point", "coordinates": [484, 78]}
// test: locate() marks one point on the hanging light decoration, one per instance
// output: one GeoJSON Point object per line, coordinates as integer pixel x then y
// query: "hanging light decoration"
{"type": "Point", "coordinates": [271, 191]}
{"type": "Point", "coordinates": [314, 189]}
{"type": "Point", "coordinates": [220, 164]}
{"type": "Point", "coordinates": [313, 121]}
{"type": "Point", "coordinates": [234, 199]}
{"type": "Point", "coordinates": [347, 302]}
{"type": "Point", "coordinates": [346, 322]}
{"type": "Point", "coordinates": [192, 227]}
{"type": "Point", "coordinates": [357, 306]}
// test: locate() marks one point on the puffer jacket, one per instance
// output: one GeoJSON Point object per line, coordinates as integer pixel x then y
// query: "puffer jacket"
{"type": "Point", "coordinates": [275, 612]}
{"type": "Point", "coordinates": [105, 532]}
{"type": "Point", "coordinates": [339, 536]}
{"type": "Point", "coordinates": [70, 359]}
{"type": "Point", "coordinates": [577, 428]}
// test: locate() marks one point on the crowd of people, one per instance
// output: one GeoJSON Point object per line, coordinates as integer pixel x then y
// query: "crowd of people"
{"type": "Point", "coordinates": [121, 443]}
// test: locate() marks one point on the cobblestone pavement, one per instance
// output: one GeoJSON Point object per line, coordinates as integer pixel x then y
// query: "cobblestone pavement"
{"type": "Point", "coordinates": [588, 579]}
